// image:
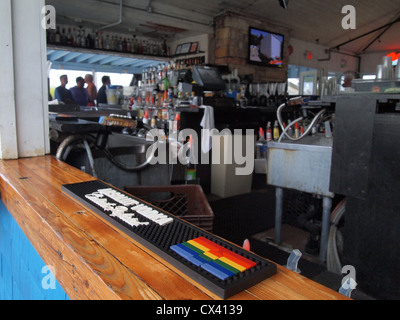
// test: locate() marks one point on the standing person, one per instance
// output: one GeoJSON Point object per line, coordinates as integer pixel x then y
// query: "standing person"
{"type": "Point", "coordinates": [91, 89]}
{"type": "Point", "coordinates": [62, 94]}
{"type": "Point", "coordinates": [101, 95]}
{"type": "Point", "coordinates": [79, 93]}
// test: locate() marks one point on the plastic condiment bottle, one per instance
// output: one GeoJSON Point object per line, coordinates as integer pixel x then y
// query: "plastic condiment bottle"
{"type": "Point", "coordinates": [276, 131]}
{"type": "Point", "coordinates": [146, 118]}
{"type": "Point", "coordinates": [290, 130]}
{"type": "Point", "coordinates": [261, 144]}
{"type": "Point", "coordinates": [296, 130]}
{"type": "Point", "coordinates": [269, 132]}
{"type": "Point", "coordinates": [177, 122]}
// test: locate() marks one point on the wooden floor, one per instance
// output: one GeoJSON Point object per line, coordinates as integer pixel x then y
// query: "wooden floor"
{"type": "Point", "coordinates": [94, 260]}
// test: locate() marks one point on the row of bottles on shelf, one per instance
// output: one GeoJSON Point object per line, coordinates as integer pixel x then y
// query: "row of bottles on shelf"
{"type": "Point", "coordinates": [78, 37]}
{"type": "Point", "coordinates": [162, 110]}
{"type": "Point", "coordinates": [154, 81]}
{"type": "Point", "coordinates": [158, 112]}
{"type": "Point", "coordinates": [181, 64]}
{"type": "Point", "coordinates": [158, 77]}
{"type": "Point", "coordinates": [161, 114]}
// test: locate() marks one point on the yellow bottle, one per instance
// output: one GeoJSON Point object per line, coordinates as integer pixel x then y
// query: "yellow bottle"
{"type": "Point", "coordinates": [276, 131]}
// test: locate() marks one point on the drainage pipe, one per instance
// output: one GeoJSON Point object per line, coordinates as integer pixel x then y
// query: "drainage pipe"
{"type": "Point", "coordinates": [115, 23]}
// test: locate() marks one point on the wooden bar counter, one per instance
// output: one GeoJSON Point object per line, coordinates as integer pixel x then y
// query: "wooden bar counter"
{"type": "Point", "coordinates": [94, 260]}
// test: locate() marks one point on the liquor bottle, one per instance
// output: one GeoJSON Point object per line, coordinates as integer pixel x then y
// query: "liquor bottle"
{"type": "Point", "coordinates": [156, 48]}
{"type": "Point", "coordinates": [140, 108]}
{"type": "Point", "coordinates": [96, 41]}
{"type": "Point", "coordinates": [164, 111]}
{"type": "Point", "coordinates": [120, 45]}
{"type": "Point", "coordinates": [88, 41]}
{"type": "Point", "coordinates": [159, 105]}
{"type": "Point", "coordinates": [164, 51]}
{"type": "Point", "coordinates": [69, 38]}
{"type": "Point", "coordinates": [58, 36]}
{"type": "Point", "coordinates": [114, 43]}
{"type": "Point", "coordinates": [144, 47]}
{"type": "Point", "coordinates": [153, 123]}
{"type": "Point", "coordinates": [164, 130]}
{"type": "Point", "coordinates": [135, 45]}
{"type": "Point", "coordinates": [63, 38]}
{"type": "Point", "coordinates": [165, 81]}
{"type": "Point", "coordinates": [149, 47]}
{"type": "Point", "coordinates": [107, 45]}
{"type": "Point", "coordinates": [83, 38]}
{"type": "Point", "coordinates": [147, 106]}
{"type": "Point", "coordinates": [140, 47]}
{"type": "Point", "coordinates": [191, 171]}
{"type": "Point", "coordinates": [52, 37]}
{"type": "Point", "coordinates": [170, 105]}
{"type": "Point", "coordinates": [75, 36]}
{"type": "Point", "coordinates": [100, 44]}
{"type": "Point", "coordinates": [78, 37]}
{"type": "Point", "coordinates": [153, 108]}
{"type": "Point", "coordinates": [128, 45]}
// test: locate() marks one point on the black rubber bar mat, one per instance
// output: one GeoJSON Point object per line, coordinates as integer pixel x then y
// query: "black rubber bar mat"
{"type": "Point", "coordinates": [222, 267]}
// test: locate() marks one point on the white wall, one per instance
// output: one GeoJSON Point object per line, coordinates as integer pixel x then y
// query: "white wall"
{"type": "Point", "coordinates": [338, 62]}
{"type": "Point", "coordinates": [23, 86]}
{"type": "Point", "coordinates": [204, 43]}
{"type": "Point", "coordinates": [8, 130]}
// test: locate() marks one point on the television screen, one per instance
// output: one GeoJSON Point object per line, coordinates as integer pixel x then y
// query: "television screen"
{"type": "Point", "coordinates": [265, 48]}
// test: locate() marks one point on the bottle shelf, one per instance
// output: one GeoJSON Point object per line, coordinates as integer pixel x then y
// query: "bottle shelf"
{"type": "Point", "coordinates": [108, 52]}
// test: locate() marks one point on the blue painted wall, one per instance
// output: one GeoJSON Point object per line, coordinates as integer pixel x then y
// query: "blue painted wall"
{"type": "Point", "coordinates": [21, 267]}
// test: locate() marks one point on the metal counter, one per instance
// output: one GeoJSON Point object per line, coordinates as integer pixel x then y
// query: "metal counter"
{"type": "Point", "coordinates": [304, 166]}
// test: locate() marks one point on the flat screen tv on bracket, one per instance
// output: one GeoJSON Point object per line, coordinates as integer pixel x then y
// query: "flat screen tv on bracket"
{"type": "Point", "coordinates": [265, 48]}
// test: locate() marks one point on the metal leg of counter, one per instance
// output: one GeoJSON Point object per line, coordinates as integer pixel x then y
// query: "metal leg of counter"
{"type": "Point", "coordinates": [326, 213]}
{"type": "Point", "coordinates": [327, 207]}
{"type": "Point", "coordinates": [278, 215]}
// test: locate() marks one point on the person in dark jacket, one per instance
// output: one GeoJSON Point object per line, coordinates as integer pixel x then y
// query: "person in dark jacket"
{"type": "Point", "coordinates": [62, 94]}
{"type": "Point", "coordinates": [101, 95]}
{"type": "Point", "coordinates": [79, 93]}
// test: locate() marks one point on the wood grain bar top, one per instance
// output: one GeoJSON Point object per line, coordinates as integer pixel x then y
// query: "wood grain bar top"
{"type": "Point", "coordinates": [95, 261]}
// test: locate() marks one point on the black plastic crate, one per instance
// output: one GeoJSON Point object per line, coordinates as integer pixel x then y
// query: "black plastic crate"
{"type": "Point", "coordinates": [185, 201]}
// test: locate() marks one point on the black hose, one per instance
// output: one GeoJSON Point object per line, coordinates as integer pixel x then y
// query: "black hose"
{"type": "Point", "coordinates": [72, 139]}
{"type": "Point", "coordinates": [123, 166]}
{"type": "Point", "coordinates": [66, 143]}
{"type": "Point", "coordinates": [334, 264]}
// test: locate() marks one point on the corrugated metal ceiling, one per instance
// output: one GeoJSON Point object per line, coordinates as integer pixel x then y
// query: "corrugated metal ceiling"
{"type": "Point", "coordinates": [308, 20]}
